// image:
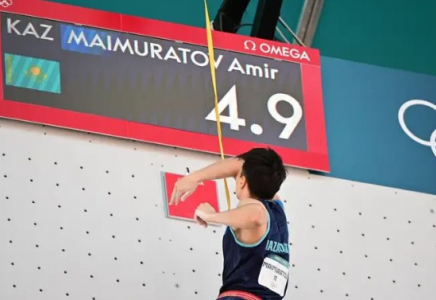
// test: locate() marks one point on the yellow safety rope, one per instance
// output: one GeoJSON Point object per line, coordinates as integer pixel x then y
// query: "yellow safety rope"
{"type": "Point", "coordinates": [213, 75]}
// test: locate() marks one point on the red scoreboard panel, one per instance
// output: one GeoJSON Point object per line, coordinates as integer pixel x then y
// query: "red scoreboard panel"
{"type": "Point", "coordinates": [149, 80]}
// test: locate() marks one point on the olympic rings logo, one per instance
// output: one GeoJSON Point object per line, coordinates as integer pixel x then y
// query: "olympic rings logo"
{"type": "Point", "coordinates": [6, 3]}
{"type": "Point", "coordinates": [432, 141]}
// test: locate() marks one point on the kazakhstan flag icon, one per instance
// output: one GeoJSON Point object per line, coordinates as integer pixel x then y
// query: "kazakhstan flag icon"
{"type": "Point", "coordinates": [32, 73]}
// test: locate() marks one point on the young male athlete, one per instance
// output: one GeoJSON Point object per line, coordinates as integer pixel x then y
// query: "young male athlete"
{"type": "Point", "coordinates": [255, 243]}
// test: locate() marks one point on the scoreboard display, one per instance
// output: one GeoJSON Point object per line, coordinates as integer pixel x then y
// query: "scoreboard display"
{"type": "Point", "coordinates": [149, 80]}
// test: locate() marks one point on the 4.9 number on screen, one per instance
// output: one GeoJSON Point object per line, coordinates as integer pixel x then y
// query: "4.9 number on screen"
{"type": "Point", "coordinates": [230, 100]}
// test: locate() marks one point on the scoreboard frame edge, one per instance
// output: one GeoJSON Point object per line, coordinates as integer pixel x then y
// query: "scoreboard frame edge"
{"type": "Point", "coordinates": [316, 157]}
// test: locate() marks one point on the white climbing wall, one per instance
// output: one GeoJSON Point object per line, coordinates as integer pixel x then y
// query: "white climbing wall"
{"type": "Point", "coordinates": [82, 217]}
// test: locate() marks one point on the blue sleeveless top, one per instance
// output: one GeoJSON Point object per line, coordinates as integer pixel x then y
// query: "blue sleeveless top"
{"type": "Point", "coordinates": [243, 262]}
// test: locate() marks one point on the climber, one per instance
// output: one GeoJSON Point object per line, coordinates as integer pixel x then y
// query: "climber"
{"type": "Point", "coordinates": [255, 243]}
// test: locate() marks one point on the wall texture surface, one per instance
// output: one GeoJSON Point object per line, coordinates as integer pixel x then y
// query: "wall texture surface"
{"type": "Point", "coordinates": [82, 217]}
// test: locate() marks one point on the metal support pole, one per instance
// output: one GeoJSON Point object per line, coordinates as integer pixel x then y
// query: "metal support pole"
{"type": "Point", "coordinates": [309, 20]}
{"type": "Point", "coordinates": [290, 31]}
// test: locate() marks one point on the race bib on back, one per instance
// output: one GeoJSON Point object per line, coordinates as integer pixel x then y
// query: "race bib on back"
{"type": "Point", "coordinates": [274, 274]}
